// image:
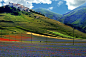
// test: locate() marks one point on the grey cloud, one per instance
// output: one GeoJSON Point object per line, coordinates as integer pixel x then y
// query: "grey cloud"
{"type": "Point", "coordinates": [78, 3]}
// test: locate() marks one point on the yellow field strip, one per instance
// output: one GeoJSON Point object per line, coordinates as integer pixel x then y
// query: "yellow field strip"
{"type": "Point", "coordinates": [53, 37]}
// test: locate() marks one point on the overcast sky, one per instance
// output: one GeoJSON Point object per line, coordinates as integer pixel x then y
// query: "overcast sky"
{"type": "Point", "coordinates": [58, 6]}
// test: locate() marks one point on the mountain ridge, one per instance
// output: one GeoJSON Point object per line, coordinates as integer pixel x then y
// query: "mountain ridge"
{"type": "Point", "coordinates": [74, 18]}
{"type": "Point", "coordinates": [77, 18]}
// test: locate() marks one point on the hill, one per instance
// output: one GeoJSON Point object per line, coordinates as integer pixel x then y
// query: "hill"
{"type": "Point", "coordinates": [14, 21]}
{"type": "Point", "coordinates": [48, 13]}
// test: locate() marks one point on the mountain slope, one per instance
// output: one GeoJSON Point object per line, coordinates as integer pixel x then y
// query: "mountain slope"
{"type": "Point", "coordinates": [34, 22]}
{"type": "Point", "coordinates": [76, 18]}
{"type": "Point", "coordinates": [49, 14]}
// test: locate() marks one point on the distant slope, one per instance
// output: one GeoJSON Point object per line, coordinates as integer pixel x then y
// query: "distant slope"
{"type": "Point", "coordinates": [12, 23]}
{"type": "Point", "coordinates": [76, 18]}
{"type": "Point", "coordinates": [48, 13]}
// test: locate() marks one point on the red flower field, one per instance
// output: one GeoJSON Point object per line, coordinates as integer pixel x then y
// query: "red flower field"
{"type": "Point", "coordinates": [2, 39]}
{"type": "Point", "coordinates": [14, 37]}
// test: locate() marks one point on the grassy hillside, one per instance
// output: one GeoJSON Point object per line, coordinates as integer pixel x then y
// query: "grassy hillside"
{"type": "Point", "coordinates": [32, 22]}
{"type": "Point", "coordinates": [49, 14]}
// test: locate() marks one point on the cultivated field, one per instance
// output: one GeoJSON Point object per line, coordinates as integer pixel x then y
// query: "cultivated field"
{"type": "Point", "coordinates": [40, 50]}
{"type": "Point", "coordinates": [49, 47]}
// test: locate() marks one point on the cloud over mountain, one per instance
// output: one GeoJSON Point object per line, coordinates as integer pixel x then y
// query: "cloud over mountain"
{"type": "Point", "coordinates": [72, 4]}
{"type": "Point", "coordinates": [50, 8]}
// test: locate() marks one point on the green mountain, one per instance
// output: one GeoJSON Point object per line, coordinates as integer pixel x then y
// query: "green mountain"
{"type": "Point", "coordinates": [48, 13]}
{"type": "Point", "coordinates": [14, 21]}
{"type": "Point", "coordinates": [76, 18]}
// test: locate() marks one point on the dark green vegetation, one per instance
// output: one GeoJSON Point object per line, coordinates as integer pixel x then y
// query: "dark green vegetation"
{"type": "Point", "coordinates": [11, 10]}
{"type": "Point", "coordinates": [11, 23]}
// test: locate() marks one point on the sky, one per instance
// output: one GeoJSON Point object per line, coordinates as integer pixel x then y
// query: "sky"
{"type": "Point", "coordinates": [57, 6]}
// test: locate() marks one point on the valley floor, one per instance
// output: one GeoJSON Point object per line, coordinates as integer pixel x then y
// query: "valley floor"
{"type": "Point", "coordinates": [16, 49]}
{"type": "Point", "coordinates": [40, 46]}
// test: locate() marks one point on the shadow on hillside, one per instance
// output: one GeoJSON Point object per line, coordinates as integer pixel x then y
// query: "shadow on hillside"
{"type": "Point", "coordinates": [6, 21]}
{"type": "Point", "coordinates": [1, 15]}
